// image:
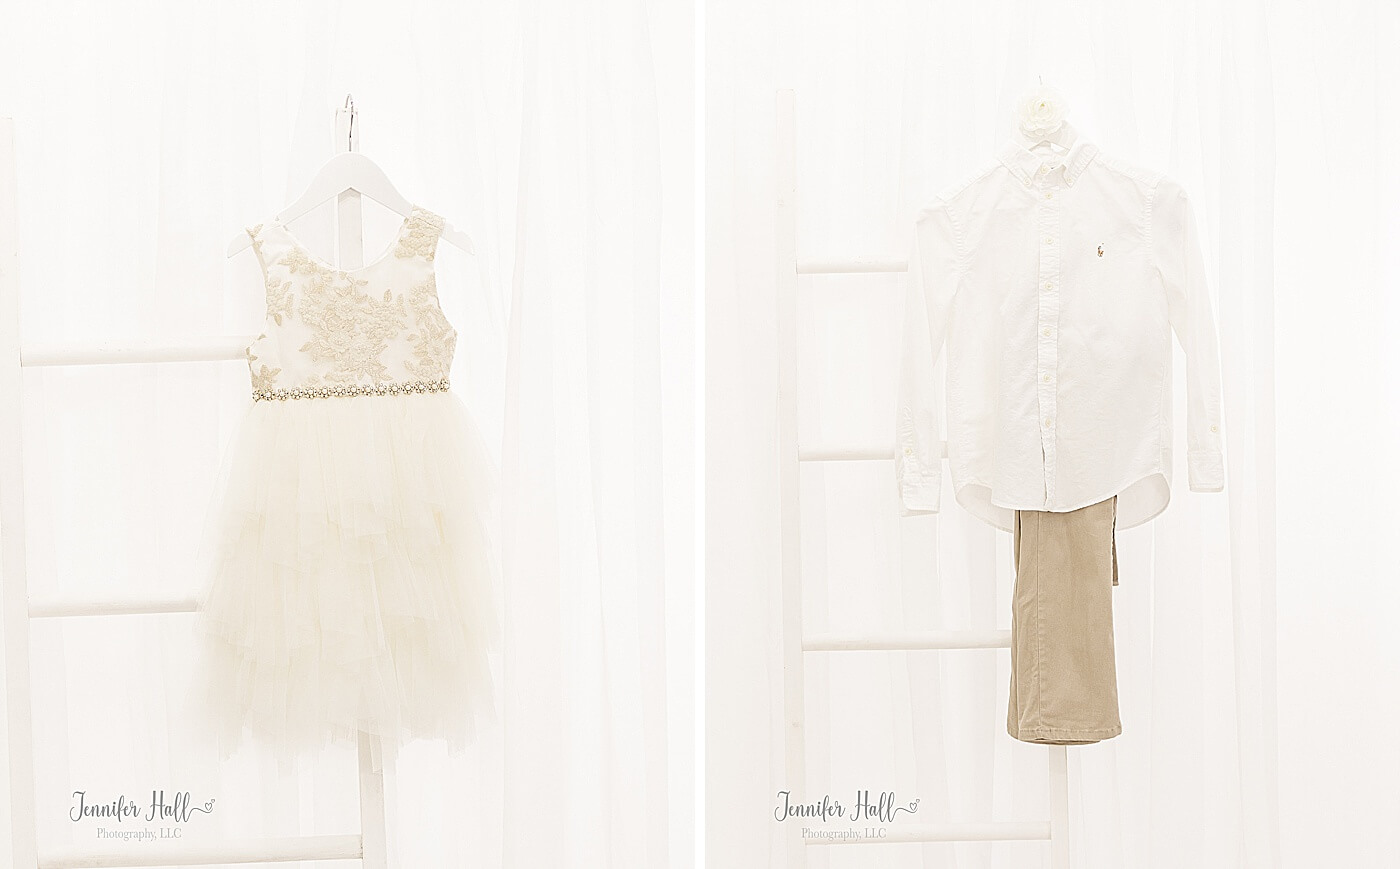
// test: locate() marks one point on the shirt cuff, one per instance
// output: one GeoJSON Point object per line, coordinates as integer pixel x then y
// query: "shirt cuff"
{"type": "Point", "coordinates": [1206, 471]}
{"type": "Point", "coordinates": [919, 495]}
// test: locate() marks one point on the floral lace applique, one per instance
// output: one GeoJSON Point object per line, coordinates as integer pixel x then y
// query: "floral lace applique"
{"type": "Point", "coordinates": [299, 262]}
{"type": "Point", "coordinates": [424, 227]}
{"type": "Point", "coordinates": [279, 300]}
{"type": "Point", "coordinates": [264, 377]}
{"type": "Point", "coordinates": [435, 339]}
{"type": "Point", "coordinates": [350, 328]}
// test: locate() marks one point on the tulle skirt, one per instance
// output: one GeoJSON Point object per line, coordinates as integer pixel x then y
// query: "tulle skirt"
{"type": "Point", "coordinates": [350, 577]}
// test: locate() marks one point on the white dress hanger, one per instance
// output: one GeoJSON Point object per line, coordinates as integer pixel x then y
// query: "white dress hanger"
{"type": "Point", "coordinates": [1062, 136]}
{"type": "Point", "coordinates": [351, 170]}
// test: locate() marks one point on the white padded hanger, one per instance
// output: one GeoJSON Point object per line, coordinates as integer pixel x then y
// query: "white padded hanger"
{"type": "Point", "coordinates": [351, 170]}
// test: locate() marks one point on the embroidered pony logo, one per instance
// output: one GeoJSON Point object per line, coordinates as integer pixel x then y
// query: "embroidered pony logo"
{"type": "Point", "coordinates": [1100, 250]}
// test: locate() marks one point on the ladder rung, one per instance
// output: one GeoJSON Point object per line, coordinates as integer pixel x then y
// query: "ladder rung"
{"type": "Point", "coordinates": [59, 608]}
{"type": "Point", "coordinates": [844, 454]}
{"type": "Point", "coordinates": [257, 851]}
{"type": "Point", "coordinates": [854, 454]}
{"type": "Point", "coordinates": [218, 348]}
{"type": "Point", "coordinates": [912, 642]}
{"type": "Point", "coordinates": [1006, 831]}
{"type": "Point", "coordinates": [858, 266]}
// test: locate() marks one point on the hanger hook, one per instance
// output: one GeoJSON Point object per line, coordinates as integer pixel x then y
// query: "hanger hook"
{"type": "Point", "coordinates": [350, 127]}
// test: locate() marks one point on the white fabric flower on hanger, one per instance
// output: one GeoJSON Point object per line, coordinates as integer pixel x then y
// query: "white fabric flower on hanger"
{"type": "Point", "coordinates": [1041, 111]}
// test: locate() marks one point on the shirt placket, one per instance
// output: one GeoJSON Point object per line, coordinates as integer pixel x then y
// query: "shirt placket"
{"type": "Point", "coordinates": [1047, 325]}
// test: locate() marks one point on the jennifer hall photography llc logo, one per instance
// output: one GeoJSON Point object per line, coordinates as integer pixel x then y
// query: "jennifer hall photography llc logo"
{"type": "Point", "coordinates": [870, 814]}
{"type": "Point", "coordinates": [169, 810]}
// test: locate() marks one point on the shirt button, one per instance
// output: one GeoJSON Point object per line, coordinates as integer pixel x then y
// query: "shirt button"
{"type": "Point", "coordinates": [1049, 284]}
{"type": "Point", "coordinates": [1049, 241]}
{"type": "Point", "coordinates": [1049, 422]}
{"type": "Point", "coordinates": [1215, 428]}
{"type": "Point", "coordinates": [908, 451]}
{"type": "Point", "coordinates": [1045, 378]}
{"type": "Point", "coordinates": [1044, 169]}
{"type": "Point", "coordinates": [1045, 331]}
{"type": "Point", "coordinates": [1049, 194]}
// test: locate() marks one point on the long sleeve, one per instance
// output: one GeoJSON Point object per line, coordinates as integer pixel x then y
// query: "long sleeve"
{"type": "Point", "coordinates": [933, 281]}
{"type": "Point", "coordinates": [1177, 248]}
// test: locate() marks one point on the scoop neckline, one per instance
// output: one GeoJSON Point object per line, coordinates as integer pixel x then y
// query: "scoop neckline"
{"type": "Point", "coordinates": [393, 245]}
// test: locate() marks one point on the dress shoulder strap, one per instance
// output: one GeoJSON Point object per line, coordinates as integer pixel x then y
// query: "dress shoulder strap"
{"type": "Point", "coordinates": [421, 235]}
{"type": "Point", "coordinates": [257, 238]}
{"type": "Point", "coordinates": [254, 239]}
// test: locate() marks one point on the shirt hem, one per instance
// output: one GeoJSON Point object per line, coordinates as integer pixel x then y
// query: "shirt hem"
{"type": "Point", "coordinates": [1141, 499]}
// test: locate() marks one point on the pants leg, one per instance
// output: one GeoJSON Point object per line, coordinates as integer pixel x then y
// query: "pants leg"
{"type": "Point", "coordinates": [1064, 688]}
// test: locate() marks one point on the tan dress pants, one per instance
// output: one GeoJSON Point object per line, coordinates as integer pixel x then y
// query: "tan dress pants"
{"type": "Point", "coordinates": [1064, 685]}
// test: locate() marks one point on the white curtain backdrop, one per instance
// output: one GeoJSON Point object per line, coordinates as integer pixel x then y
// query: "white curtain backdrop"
{"type": "Point", "coordinates": [1254, 658]}
{"type": "Point", "coordinates": [561, 138]}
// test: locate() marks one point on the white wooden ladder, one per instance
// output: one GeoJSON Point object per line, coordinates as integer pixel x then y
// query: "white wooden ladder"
{"type": "Point", "coordinates": [796, 643]}
{"type": "Point", "coordinates": [20, 850]}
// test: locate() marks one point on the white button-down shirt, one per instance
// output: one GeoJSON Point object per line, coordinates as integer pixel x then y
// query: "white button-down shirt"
{"type": "Point", "coordinates": [1056, 283]}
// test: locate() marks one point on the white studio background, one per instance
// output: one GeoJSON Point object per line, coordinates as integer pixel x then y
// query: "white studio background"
{"type": "Point", "coordinates": [562, 139]}
{"type": "Point", "coordinates": [1253, 628]}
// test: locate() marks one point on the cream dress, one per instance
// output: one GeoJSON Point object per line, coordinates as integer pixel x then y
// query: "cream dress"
{"type": "Point", "coordinates": [349, 570]}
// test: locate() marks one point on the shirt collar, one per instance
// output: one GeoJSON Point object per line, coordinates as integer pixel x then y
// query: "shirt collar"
{"type": "Point", "coordinates": [1025, 164]}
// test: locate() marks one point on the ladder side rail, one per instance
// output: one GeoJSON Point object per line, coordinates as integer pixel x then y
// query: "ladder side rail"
{"type": "Point", "coordinates": [22, 850]}
{"type": "Point", "coordinates": [789, 469]}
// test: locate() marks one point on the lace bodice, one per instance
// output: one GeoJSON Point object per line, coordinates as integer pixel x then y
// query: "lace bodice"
{"type": "Point", "coordinates": [374, 330]}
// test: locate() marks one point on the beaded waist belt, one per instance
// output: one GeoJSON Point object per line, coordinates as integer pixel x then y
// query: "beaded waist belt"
{"type": "Point", "coordinates": [406, 387]}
